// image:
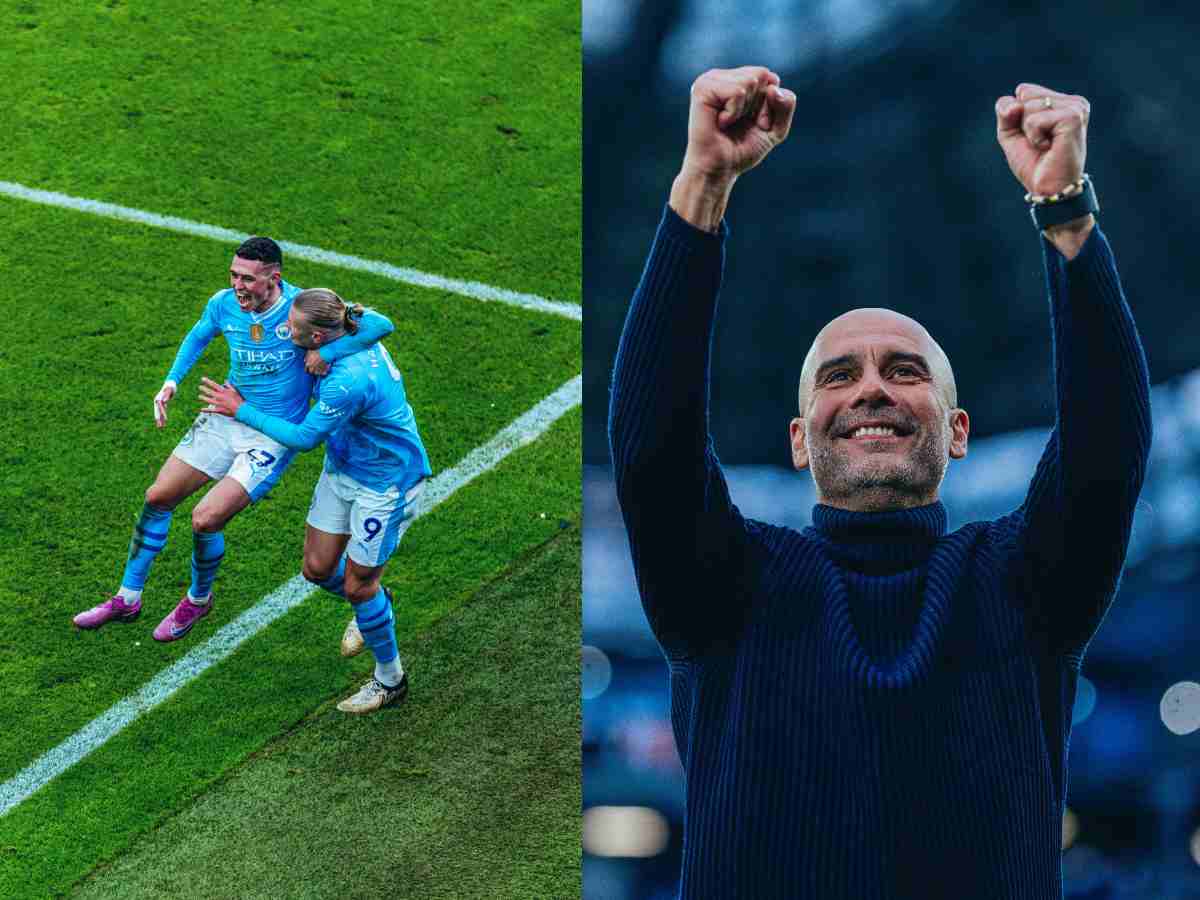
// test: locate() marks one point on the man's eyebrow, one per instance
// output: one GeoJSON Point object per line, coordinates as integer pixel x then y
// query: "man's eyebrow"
{"type": "Point", "coordinates": [901, 356]}
{"type": "Point", "coordinates": [846, 359]}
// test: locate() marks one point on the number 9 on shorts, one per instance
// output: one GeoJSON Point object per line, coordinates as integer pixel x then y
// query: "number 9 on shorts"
{"type": "Point", "coordinates": [374, 520]}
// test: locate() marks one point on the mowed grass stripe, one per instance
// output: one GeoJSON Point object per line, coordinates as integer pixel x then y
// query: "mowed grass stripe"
{"type": "Point", "coordinates": [79, 446]}
{"type": "Point", "coordinates": [444, 135]}
{"type": "Point", "coordinates": [472, 289]}
{"type": "Point", "coordinates": [291, 593]}
{"type": "Point", "coordinates": [471, 790]}
{"type": "Point", "coordinates": [97, 809]}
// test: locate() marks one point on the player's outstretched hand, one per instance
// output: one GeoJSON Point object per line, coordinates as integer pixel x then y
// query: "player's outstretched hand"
{"type": "Point", "coordinates": [314, 364]}
{"type": "Point", "coordinates": [1044, 137]}
{"type": "Point", "coordinates": [222, 399]}
{"type": "Point", "coordinates": [161, 399]}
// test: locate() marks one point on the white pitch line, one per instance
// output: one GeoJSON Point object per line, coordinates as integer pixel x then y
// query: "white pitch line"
{"type": "Point", "coordinates": [521, 431]}
{"type": "Point", "coordinates": [473, 289]}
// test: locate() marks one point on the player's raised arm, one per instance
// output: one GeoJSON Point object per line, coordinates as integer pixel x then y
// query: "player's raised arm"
{"type": "Point", "coordinates": [672, 493]}
{"type": "Point", "coordinates": [1079, 510]}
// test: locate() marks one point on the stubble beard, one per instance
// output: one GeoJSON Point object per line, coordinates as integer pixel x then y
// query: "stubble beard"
{"type": "Point", "coordinates": [880, 481]}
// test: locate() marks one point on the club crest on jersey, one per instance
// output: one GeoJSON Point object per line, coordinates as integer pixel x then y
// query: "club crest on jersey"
{"type": "Point", "coordinates": [256, 332]}
{"type": "Point", "coordinates": [282, 331]}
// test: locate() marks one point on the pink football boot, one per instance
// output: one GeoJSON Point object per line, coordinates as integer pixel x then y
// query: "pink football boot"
{"type": "Point", "coordinates": [181, 619]}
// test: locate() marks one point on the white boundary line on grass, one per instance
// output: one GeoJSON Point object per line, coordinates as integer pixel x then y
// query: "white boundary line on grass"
{"type": "Point", "coordinates": [472, 289]}
{"type": "Point", "coordinates": [518, 433]}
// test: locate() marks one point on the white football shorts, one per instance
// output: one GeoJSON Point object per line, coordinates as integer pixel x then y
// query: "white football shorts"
{"type": "Point", "coordinates": [220, 446]}
{"type": "Point", "coordinates": [375, 521]}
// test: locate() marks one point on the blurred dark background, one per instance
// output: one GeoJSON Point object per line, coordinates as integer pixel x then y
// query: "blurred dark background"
{"type": "Point", "coordinates": [892, 191]}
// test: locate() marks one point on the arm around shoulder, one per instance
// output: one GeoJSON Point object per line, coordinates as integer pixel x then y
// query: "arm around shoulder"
{"type": "Point", "coordinates": [372, 328]}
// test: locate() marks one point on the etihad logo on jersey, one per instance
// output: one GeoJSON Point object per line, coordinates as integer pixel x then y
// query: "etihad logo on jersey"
{"type": "Point", "coordinates": [329, 410]}
{"type": "Point", "coordinates": [263, 356]}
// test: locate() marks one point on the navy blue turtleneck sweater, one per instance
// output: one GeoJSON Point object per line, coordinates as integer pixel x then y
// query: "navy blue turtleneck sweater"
{"type": "Point", "coordinates": [871, 708]}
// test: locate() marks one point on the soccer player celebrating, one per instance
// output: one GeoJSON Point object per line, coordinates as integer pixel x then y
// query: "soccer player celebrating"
{"type": "Point", "coordinates": [252, 314]}
{"type": "Point", "coordinates": [374, 469]}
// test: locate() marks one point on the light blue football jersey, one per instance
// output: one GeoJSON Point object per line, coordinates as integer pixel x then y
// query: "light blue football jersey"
{"type": "Point", "coordinates": [363, 414]}
{"type": "Point", "coordinates": [264, 365]}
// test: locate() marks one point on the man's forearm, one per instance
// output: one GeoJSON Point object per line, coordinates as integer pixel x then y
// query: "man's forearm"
{"type": "Point", "coordinates": [1069, 237]}
{"type": "Point", "coordinates": [296, 436]}
{"type": "Point", "coordinates": [700, 200]}
{"type": "Point", "coordinates": [372, 328]}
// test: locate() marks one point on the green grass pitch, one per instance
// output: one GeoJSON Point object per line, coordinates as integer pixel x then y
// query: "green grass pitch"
{"type": "Point", "coordinates": [440, 137]}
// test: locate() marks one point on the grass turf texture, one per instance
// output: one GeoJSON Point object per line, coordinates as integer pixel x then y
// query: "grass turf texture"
{"type": "Point", "coordinates": [461, 792]}
{"type": "Point", "coordinates": [79, 449]}
{"type": "Point", "coordinates": [93, 811]}
{"type": "Point", "coordinates": [428, 137]}
{"type": "Point", "coordinates": [456, 125]}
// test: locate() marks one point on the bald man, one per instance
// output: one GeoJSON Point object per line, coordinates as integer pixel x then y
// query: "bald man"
{"type": "Point", "coordinates": [874, 708]}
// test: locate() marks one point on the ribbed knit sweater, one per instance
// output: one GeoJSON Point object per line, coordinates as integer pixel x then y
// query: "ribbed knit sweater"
{"type": "Point", "coordinates": [871, 708]}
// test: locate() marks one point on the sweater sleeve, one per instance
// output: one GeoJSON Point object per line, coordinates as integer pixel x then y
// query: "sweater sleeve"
{"type": "Point", "coordinates": [1078, 513]}
{"type": "Point", "coordinates": [685, 536]}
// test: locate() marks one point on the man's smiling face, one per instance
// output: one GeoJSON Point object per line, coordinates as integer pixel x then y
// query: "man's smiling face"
{"type": "Point", "coordinates": [254, 282]}
{"type": "Point", "coordinates": [878, 424]}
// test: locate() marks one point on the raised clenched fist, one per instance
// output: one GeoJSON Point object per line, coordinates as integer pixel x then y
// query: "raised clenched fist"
{"type": "Point", "coordinates": [737, 117]}
{"type": "Point", "coordinates": [1044, 137]}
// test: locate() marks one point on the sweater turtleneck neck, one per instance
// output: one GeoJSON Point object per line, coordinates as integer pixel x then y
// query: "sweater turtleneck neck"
{"type": "Point", "coordinates": [880, 542]}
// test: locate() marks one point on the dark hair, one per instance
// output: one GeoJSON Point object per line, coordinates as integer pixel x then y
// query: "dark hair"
{"type": "Point", "coordinates": [325, 310]}
{"type": "Point", "coordinates": [262, 249]}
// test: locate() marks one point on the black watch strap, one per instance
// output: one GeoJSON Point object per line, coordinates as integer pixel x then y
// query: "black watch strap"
{"type": "Point", "coordinates": [1046, 214]}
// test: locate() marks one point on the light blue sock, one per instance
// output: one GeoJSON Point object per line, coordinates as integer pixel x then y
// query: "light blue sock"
{"type": "Point", "coordinates": [378, 627]}
{"type": "Point", "coordinates": [336, 582]}
{"type": "Point", "coordinates": [149, 537]}
{"type": "Point", "coordinates": [208, 549]}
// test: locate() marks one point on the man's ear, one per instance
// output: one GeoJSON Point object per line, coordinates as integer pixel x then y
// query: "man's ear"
{"type": "Point", "coordinates": [960, 428]}
{"type": "Point", "coordinates": [799, 444]}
